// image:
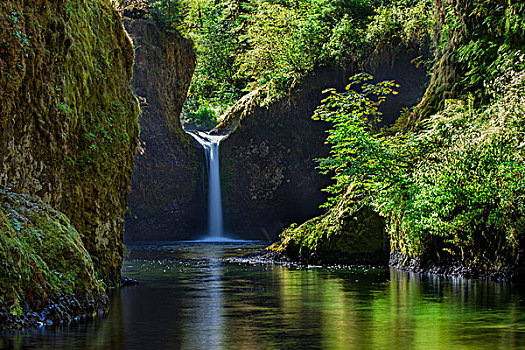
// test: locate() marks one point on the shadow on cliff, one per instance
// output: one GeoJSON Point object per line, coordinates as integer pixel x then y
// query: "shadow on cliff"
{"type": "Point", "coordinates": [167, 198]}
{"type": "Point", "coordinates": [268, 171]}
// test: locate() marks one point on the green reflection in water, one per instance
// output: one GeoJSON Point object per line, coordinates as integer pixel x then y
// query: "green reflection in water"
{"type": "Point", "coordinates": [191, 299]}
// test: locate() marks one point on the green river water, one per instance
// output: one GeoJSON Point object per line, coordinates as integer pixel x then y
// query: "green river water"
{"type": "Point", "coordinates": [189, 298]}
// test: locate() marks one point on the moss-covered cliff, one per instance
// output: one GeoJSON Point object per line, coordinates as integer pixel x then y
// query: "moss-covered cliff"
{"type": "Point", "coordinates": [167, 199]}
{"type": "Point", "coordinates": [268, 171]}
{"type": "Point", "coordinates": [68, 120]}
{"type": "Point", "coordinates": [472, 39]}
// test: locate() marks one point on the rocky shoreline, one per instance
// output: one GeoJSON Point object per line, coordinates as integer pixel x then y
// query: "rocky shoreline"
{"type": "Point", "coordinates": [279, 258]}
{"type": "Point", "coordinates": [403, 262]}
{"type": "Point", "coordinates": [397, 260]}
{"type": "Point", "coordinates": [62, 310]}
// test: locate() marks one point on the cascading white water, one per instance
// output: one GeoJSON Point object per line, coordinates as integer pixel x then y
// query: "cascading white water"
{"type": "Point", "coordinates": [210, 143]}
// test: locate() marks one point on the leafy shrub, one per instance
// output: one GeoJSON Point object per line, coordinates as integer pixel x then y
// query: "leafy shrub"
{"type": "Point", "coordinates": [204, 118]}
{"type": "Point", "coordinates": [455, 190]}
{"type": "Point", "coordinates": [404, 23]}
{"type": "Point", "coordinates": [358, 154]}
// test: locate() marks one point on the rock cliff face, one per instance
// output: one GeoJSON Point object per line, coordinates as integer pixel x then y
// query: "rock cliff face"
{"type": "Point", "coordinates": [68, 132]}
{"type": "Point", "coordinates": [268, 171]}
{"type": "Point", "coordinates": [68, 116]}
{"type": "Point", "coordinates": [167, 199]}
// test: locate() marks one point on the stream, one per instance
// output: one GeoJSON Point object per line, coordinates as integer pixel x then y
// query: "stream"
{"type": "Point", "coordinates": [190, 298]}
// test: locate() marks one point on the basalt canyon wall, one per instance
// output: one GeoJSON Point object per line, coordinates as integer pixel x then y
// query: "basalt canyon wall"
{"type": "Point", "coordinates": [167, 199]}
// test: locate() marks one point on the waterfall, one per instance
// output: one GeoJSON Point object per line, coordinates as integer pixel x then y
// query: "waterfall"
{"type": "Point", "coordinates": [210, 143]}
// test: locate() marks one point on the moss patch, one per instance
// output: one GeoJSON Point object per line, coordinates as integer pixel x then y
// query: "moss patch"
{"type": "Point", "coordinates": [346, 234]}
{"type": "Point", "coordinates": [42, 261]}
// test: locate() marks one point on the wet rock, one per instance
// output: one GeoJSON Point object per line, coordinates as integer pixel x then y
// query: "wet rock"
{"type": "Point", "coordinates": [50, 273]}
{"type": "Point", "coordinates": [453, 268]}
{"type": "Point", "coordinates": [127, 281]}
{"type": "Point", "coordinates": [347, 234]}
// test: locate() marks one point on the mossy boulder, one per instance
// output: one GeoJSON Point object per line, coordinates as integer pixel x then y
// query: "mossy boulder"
{"type": "Point", "coordinates": [167, 200]}
{"type": "Point", "coordinates": [43, 263]}
{"type": "Point", "coordinates": [346, 234]}
{"type": "Point", "coordinates": [68, 117]}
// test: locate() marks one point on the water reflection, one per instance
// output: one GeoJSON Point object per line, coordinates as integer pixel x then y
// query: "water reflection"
{"type": "Point", "coordinates": [190, 299]}
{"type": "Point", "coordinates": [206, 309]}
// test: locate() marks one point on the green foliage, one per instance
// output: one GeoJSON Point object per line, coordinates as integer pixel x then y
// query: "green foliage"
{"type": "Point", "coordinates": [123, 5]}
{"type": "Point", "coordinates": [170, 13]}
{"type": "Point", "coordinates": [212, 28]}
{"type": "Point", "coordinates": [455, 190]}
{"type": "Point", "coordinates": [346, 43]}
{"type": "Point", "coordinates": [406, 22]}
{"type": "Point", "coordinates": [285, 42]}
{"type": "Point", "coordinates": [247, 44]}
{"type": "Point", "coordinates": [332, 11]}
{"type": "Point", "coordinates": [358, 155]}
{"type": "Point", "coordinates": [167, 12]}
{"type": "Point", "coordinates": [483, 34]}
{"type": "Point", "coordinates": [204, 118]}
